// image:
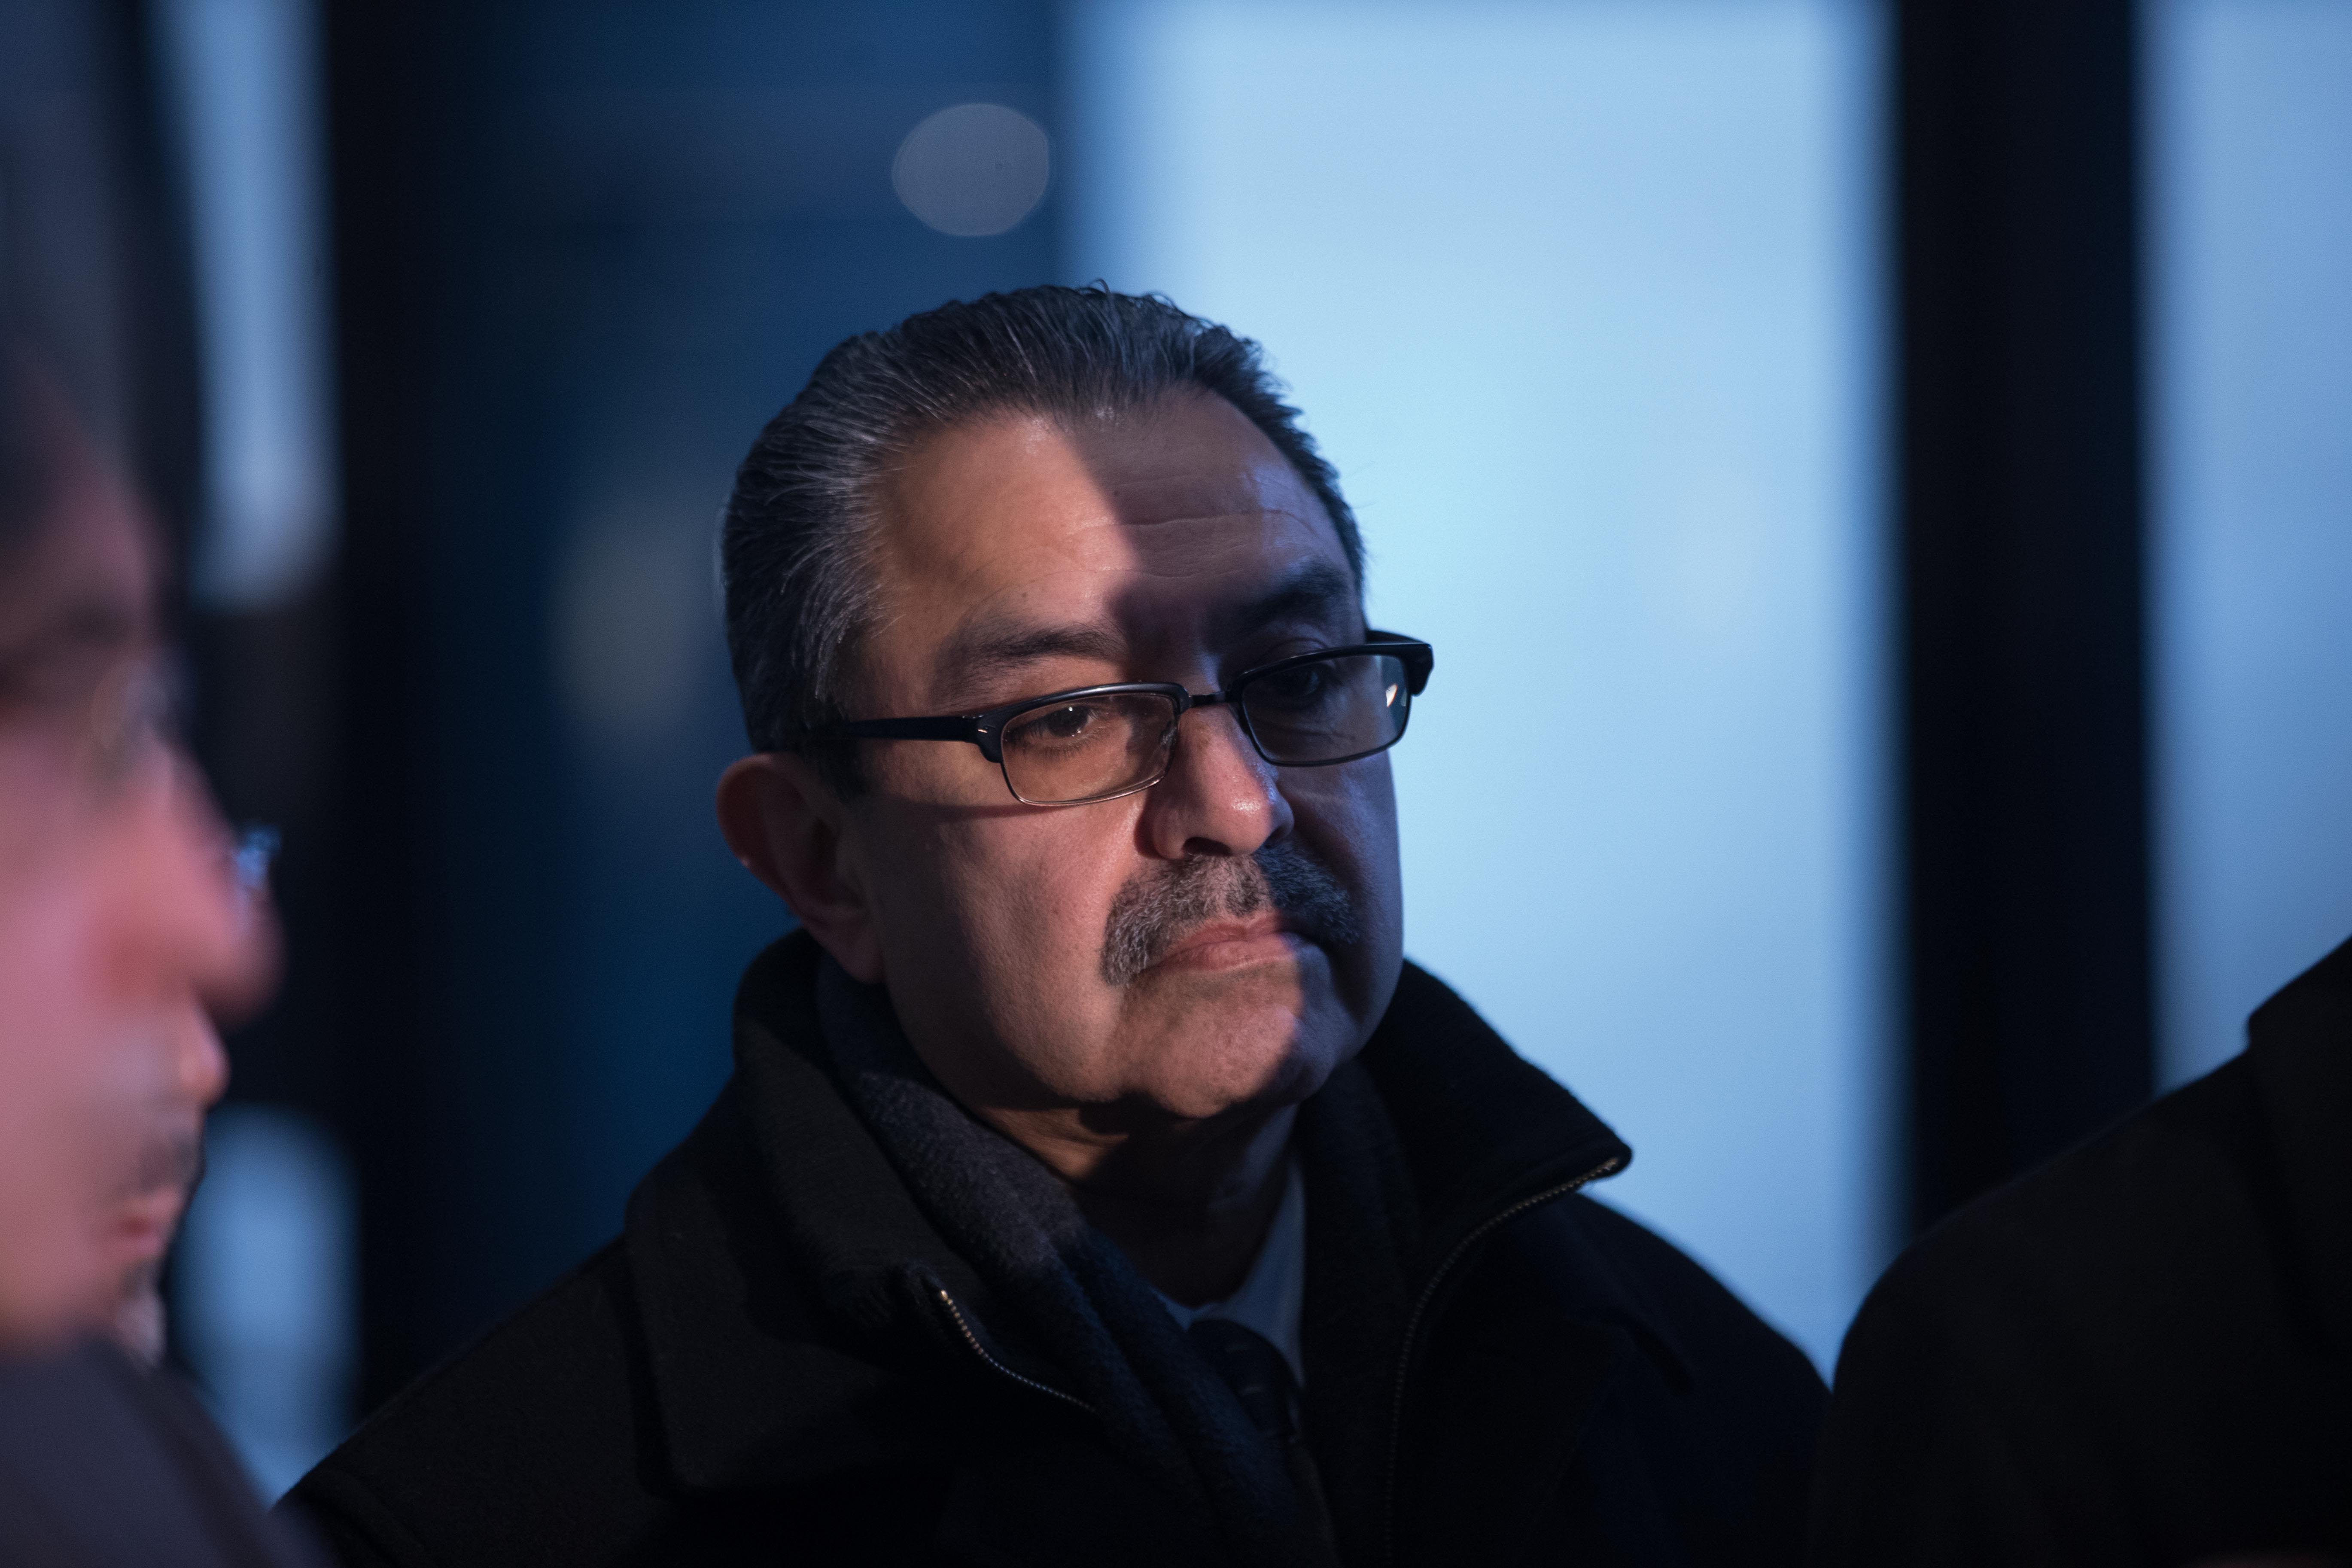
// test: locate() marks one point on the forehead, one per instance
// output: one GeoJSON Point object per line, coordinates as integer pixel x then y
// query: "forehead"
{"type": "Point", "coordinates": [1151, 523]}
{"type": "Point", "coordinates": [85, 567]}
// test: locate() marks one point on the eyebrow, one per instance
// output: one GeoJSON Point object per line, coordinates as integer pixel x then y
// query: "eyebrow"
{"type": "Point", "coordinates": [1318, 588]}
{"type": "Point", "coordinates": [990, 649]}
{"type": "Point", "coordinates": [993, 647]}
{"type": "Point", "coordinates": [86, 621]}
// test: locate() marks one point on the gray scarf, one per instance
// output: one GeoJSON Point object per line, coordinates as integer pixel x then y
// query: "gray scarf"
{"type": "Point", "coordinates": [1162, 1405]}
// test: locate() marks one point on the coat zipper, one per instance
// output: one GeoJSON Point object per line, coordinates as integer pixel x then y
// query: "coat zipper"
{"type": "Point", "coordinates": [1413, 1330]}
{"type": "Point", "coordinates": [964, 1328]}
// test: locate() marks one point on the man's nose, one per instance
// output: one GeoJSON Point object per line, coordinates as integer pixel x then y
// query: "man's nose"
{"type": "Point", "coordinates": [192, 935]}
{"type": "Point", "coordinates": [1219, 797]}
{"type": "Point", "coordinates": [230, 941]}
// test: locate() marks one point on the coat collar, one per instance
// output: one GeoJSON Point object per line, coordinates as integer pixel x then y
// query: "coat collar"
{"type": "Point", "coordinates": [2300, 1048]}
{"type": "Point", "coordinates": [1480, 1127]}
{"type": "Point", "coordinates": [786, 1281]}
{"type": "Point", "coordinates": [784, 1278]}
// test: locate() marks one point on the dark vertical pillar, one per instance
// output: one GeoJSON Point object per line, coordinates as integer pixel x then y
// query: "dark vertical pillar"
{"type": "Point", "coordinates": [2027, 933]}
{"type": "Point", "coordinates": [583, 254]}
{"type": "Point", "coordinates": [383, 142]}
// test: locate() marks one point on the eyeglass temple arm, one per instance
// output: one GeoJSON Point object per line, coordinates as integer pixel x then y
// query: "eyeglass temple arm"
{"type": "Point", "coordinates": [1419, 659]}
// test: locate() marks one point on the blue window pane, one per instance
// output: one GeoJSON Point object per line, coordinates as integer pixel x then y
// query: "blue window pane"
{"type": "Point", "coordinates": [1581, 300]}
{"type": "Point", "coordinates": [2251, 124]}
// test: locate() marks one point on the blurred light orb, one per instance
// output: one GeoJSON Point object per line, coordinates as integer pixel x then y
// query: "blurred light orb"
{"type": "Point", "coordinates": [972, 171]}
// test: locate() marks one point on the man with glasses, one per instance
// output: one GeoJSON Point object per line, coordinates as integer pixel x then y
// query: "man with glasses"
{"type": "Point", "coordinates": [1097, 1183]}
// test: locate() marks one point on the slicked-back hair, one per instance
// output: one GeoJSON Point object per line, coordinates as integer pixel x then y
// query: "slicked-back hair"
{"type": "Point", "coordinates": [797, 545]}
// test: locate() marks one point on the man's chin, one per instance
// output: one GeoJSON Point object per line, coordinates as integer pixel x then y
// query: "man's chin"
{"type": "Point", "coordinates": [1220, 1041]}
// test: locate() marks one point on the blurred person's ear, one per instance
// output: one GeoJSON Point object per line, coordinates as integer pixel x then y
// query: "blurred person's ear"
{"type": "Point", "coordinates": [791, 831]}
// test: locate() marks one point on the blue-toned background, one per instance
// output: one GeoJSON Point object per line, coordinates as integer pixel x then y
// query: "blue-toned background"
{"type": "Point", "coordinates": [1585, 302]}
{"type": "Point", "coordinates": [438, 331]}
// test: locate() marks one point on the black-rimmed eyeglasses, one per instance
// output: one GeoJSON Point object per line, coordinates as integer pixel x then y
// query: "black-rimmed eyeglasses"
{"type": "Point", "coordinates": [1099, 742]}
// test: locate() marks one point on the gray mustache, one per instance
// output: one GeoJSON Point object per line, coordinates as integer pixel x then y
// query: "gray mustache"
{"type": "Point", "coordinates": [1161, 907]}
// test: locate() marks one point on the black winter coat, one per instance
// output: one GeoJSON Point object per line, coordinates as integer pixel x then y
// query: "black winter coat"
{"type": "Point", "coordinates": [107, 1465]}
{"type": "Point", "coordinates": [2141, 1354]}
{"type": "Point", "coordinates": [781, 1361]}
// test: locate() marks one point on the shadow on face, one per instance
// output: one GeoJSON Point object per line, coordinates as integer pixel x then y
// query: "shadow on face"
{"type": "Point", "coordinates": [1202, 951]}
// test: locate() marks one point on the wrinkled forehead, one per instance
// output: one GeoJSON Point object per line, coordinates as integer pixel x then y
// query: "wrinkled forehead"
{"type": "Point", "coordinates": [1156, 526]}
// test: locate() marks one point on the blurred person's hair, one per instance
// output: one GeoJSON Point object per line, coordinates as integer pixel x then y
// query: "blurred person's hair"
{"type": "Point", "coordinates": [796, 548]}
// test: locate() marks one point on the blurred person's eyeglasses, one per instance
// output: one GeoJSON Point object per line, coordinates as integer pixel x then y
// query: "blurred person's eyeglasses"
{"type": "Point", "coordinates": [1099, 742]}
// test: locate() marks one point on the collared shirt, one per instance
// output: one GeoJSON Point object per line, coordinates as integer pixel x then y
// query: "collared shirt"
{"type": "Point", "coordinates": [1273, 1293]}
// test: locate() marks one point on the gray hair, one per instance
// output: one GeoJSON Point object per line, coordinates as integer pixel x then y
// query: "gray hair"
{"type": "Point", "coordinates": [796, 545]}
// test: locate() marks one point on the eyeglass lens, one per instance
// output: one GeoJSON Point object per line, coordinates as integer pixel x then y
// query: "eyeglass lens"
{"type": "Point", "coordinates": [1092, 748]}
{"type": "Point", "coordinates": [1327, 710]}
{"type": "Point", "coordinates": [1085, 747]}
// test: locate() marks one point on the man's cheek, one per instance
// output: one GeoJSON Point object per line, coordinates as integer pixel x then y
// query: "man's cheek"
{"type": "Point", "coordinates": [1046, 926]}
{"type": "Point", "coordinates": [1057, 887]}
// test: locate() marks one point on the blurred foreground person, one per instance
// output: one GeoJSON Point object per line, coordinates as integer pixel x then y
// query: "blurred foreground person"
{"type": "Point", "coordinates": [121, 925]}
{"type": "Point", "coordinates": [1098, 1183]}
{"type": "Point", "coordinates": [2140, 1354]}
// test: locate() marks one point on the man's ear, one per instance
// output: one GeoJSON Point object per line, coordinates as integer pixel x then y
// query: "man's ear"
{"type": "Point", "coordinates": [791, 830]}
